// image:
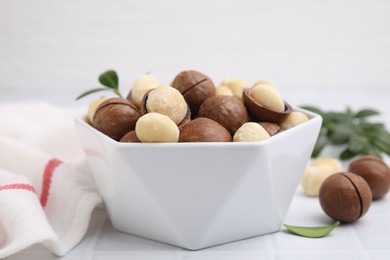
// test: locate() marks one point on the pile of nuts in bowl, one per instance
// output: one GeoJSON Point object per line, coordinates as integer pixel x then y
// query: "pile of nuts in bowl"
{"type": "Point", "coordinates": [192, 109]}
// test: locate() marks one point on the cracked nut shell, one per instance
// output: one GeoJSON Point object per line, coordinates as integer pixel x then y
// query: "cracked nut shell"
{"type": "Point", "coordinates": [260, 113]}
{"type": "Point", "coordinates": [204, 129]}
{"type": "Point", "coordinates": [195, 88]}
{"type": "Point", "coordinates": [115, 117]}
{"type": "Point", "coordinates": [345, 197]}
{"type": "Point", "coordinates": [228, 111]}
{"type": "Point", "coordinates": [376, 173]}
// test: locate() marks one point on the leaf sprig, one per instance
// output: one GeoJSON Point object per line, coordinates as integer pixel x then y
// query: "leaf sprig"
{"type": "Point", "coordinates": [109, 79]}
{"type": "Point", "coordinates": [353, 130]}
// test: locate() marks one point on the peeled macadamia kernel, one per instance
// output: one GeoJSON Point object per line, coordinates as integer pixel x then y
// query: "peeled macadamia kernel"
{"type": "Point", "coordinates": [268, 96]}
{"type": "Point", "coordinates": [223, 91]}
{"type": "Point", "coordinates": [345, 197]}
{"type": "Point", "coordinates": [237, 86]}
{"type": "Point", "coordinates": [142, 85]}
{"type": "Point", "coordinates": [265, 82]}
{"type": "Point", "coordinates": [167, 101]}
{"type": "Point", "coordinates": [315, 174]}
{"type": "Point", "coordinates": [92, 108]}
{"type": "Point", "coordinates": [156, 128]}
{"type": "Point", "coordinates": [293, 119]}
{"type": "Point", "coordinates": [250, 132]}
{"type": "Point", "coordinates": [376, 173]}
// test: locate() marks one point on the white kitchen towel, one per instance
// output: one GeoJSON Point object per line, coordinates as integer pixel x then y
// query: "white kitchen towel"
{"type": "Point", "coordinates": [47, 192]}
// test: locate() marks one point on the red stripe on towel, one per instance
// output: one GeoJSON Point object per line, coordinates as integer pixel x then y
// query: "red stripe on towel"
{"type": "Point", "coordinates": [47, 176]}
{"type": "Point", "coordinates": [18, 186]}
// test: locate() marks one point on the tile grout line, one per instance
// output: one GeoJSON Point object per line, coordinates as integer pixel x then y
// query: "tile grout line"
{"type": "Point", "coordinates": [270, 252]}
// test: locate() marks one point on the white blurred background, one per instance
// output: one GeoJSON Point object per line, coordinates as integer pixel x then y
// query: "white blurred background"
{"type": "Point", "coordinates": [53, 46]}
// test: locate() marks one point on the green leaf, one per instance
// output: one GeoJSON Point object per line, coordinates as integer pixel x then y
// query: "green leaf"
{"type": "Point", "coordinates": [109, 79]}
{"type": "Point", "coordinates": [382, 144]}
{"type": "Point", "coordinates": [312, 232]}
{"type": "Point", "coordinates": [90, 92]}
{"type": "Point", "coordinates": [347, 154]}
{"type": "Point", "coordinates": [340, 133]}
{"type": "Point", "coordinates": [366, 113]}
{"type": "Point", "coordinates": [358, 143]}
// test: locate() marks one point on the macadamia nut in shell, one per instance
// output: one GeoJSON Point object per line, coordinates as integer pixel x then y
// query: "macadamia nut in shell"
{"type": "Point", "coordinates": [376, 173]}
{"type": "Point", "coordinates": [345, 197]}
{"type": "Point", "coordinates": [228, 111]}
{"type": "Point", "coordinates": [204, 129]}
{"type": "Point", "coordinates": [115, 117]}
{"type": "Point", "coordinates": [195, 87]}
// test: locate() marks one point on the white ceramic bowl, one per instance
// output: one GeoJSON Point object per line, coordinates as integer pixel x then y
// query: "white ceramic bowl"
{"type": "Point", "coordinates": [197, 195]}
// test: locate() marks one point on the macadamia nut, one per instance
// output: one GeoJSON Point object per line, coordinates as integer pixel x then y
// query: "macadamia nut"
{"type": "Point", "coordinates": [250, 132]}
{"type": "Point", "coordinates": [223, 91]}
{"type": "Point", "coordinates": [92, 108]}
{"type": "Point", "coordinates": [167, 101]}
{"type": "Point", "coordinates": [156, 128]}
{"type": "Point", "coordinates": [141, 86]}
{"type": "Point", "coordinates": [268, 96]}
{"type": "Point", "coordinates": [293, 119]}
{"type": "Point", "coordinates": [237, 86]}
{"type": "Point", "coordinates": [315, 174]}
{"type": "Point", "coordinates": [265, 82]}
{"type": "Point", "coordinates": [345, 197]}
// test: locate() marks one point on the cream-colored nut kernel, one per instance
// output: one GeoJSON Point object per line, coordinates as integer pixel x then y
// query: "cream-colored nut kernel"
{"type": "Point", "coordinates": [167, 101]}
{"type": "Point", "coordinates": [250, 132]}
{"type": "Point", "coordinates": [293, 119]}
{"type": "Point", "coordinates": [156, 128]}
{"type": "Point", "coordinates": [142, 85]}
{"type": "Point", "coordinates": [268, 96]}
{"type": "Point", "coordinates": [223, 91]}
{"type": "Point", "coordinates": [237, 86]}
{"type": "Point", "coordinates": [92, 108]}
{"type": "Point", "coordinates": [265, 82]}
{"type": "Point", "coordinates": [315, 174]}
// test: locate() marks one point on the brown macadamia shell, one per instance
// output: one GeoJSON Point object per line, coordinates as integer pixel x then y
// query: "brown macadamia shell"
{"type": "Point", "coordinates": [261, 113]}
{"type": "Point", "coordinates": [376, 173]}
{"type": "Point", "coordinates": [228, 111]}
{"type": "Point", "coordinates": [271, 128]}
{"type": "Point", "coordinates": [115, 117]}
{"type": "Point", "coordinates": [203, 129]}
{"type": "Point", "coordinates": [345, 197]}
{"type": "Point", "coordinates": [195, 88]}
{"type": "Point", "coordinates": [130, 137]}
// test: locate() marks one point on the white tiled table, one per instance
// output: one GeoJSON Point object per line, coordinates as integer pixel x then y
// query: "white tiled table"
{"type": "Point", "coordinates": [368, 238]}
